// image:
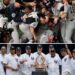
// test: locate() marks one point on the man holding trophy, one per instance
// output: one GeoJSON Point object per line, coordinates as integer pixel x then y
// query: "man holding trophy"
{"type": "Point", "coordinates": [39, 62]}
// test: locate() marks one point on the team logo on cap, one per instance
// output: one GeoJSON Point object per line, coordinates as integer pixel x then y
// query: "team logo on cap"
{"type": "Point", "coordinates": [13, 14]}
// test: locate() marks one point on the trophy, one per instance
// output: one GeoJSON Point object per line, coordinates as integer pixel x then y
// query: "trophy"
{"type": "Point", "coordinates": [40, 63]}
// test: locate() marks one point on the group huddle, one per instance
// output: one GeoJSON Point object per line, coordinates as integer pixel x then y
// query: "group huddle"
{"type": "Point", "coordinates": [37, 21]}
{"type": "Point", "coordinates": [24, 64]}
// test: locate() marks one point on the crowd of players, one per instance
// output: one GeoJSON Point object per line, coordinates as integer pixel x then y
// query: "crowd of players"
{"type": "Point", "coordinates": [24, 64]}
{"type": "Point", "coordinates": [37, 21]}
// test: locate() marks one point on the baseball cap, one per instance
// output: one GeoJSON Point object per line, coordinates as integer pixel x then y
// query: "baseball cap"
{"type": "Point", "coordinates": [3, 47]}
{"type": "Point", "coordinates": [28, 47]}
{"type": "Point", "coordinates": [39, 46]}
{"type": "Point", "coordinates": [18, 49]}
{"type": "Point", "coordinates": [73, 50]}
{"type": "Point", "coordinates": [12, 48]}
{"type": "Point", "coordinates": [51, 46]}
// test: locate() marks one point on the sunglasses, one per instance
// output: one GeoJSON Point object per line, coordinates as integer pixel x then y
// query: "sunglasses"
{"type": "Point", "coordinates": [52, 51]}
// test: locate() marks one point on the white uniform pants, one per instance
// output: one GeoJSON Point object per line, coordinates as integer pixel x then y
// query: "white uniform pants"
{"type": "Point", "coordinates": [14, 34]}
{"type": "Point", "coordinates": [26, 32]}
{"type": "Point", "coordinates": [67, 30]}
{"type": "Point", "coordinates": [63, 30]}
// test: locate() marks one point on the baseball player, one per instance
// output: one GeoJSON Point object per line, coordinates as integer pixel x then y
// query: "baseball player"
{"type": "Point", "coordinates": [70, 24]}
{"type": "Point", "coordinates": [2, 57]}
{"type": "Point", "coordinates": [67, 21]}
{"type": "Point", "coordinates": [36, 54]}
{"type": "Point", "coordinates": [73, 62]}
{"type": "Point", "coordinates": [12, 10]}
{"type": "Point", "coordinates": [53, 62]}
{"type": "Point", "coordinates": [66, 61]}
{"type": "Point", "coordinates": [11, 63]}
{"type": "Point", "coordinates": [25, 61]}
{"type": "Point", "coordinates": [56, 9]}
{"type": "Point", "coordinates": [18, 54]}
{"type": "Point", "coordinates": [18, 51]}
{"type": "Point", "coordinates": [28, 26]}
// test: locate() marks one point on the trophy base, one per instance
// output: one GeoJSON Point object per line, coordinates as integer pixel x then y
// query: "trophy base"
{"type": "Point", "coordinates": [40, 69]}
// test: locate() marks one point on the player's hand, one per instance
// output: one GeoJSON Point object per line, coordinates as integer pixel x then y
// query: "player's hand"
{"type": "Point", "coordinates": [17, 5]}
{"type": "Point", "coordinates": [21, 62]}
{"type": "Point", "coordinates": [32, 4]}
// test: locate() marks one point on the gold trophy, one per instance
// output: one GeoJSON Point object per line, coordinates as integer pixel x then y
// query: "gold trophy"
{"type": "Point", "coordinates": [40, 63]}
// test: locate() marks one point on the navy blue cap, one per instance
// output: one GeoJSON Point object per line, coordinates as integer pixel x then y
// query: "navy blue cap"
{"type": "Point", "coordinates": [73, 50]}
{"type": "Point", "coordinates": [12, 48]}
{"type": "Point", "coordinates": [18, 49]}
{"type": "Point", "coordinates": [3, 47]}
{"type": "Point", "coordinates": [39, 46]}
{"type": "Point", "coordinates": [51, 46]}
{"type": "Point", "coordinates": [28, 47]}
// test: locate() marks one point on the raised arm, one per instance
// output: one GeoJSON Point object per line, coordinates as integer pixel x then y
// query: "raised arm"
{"type": "Point", "coordinates": [68, 51]}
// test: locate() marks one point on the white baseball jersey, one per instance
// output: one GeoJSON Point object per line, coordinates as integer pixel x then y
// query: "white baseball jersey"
{"type": "Point", "coordinates": [19, 71]}
{"type": "Point", "coordinates": [53, 64]}
{"type": "Point", "coordinates": [1, 64]}
{"type": "Point", "coordinates": [26, 66]}
{"type": "Point", "coordinates": [66, 64]}
{"type": "Point", "coordinates": [11, 61]}
{"type": "Point", "coordinates": [34, 15]}
{"type": "Point", "coordinates": [73, 66]}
